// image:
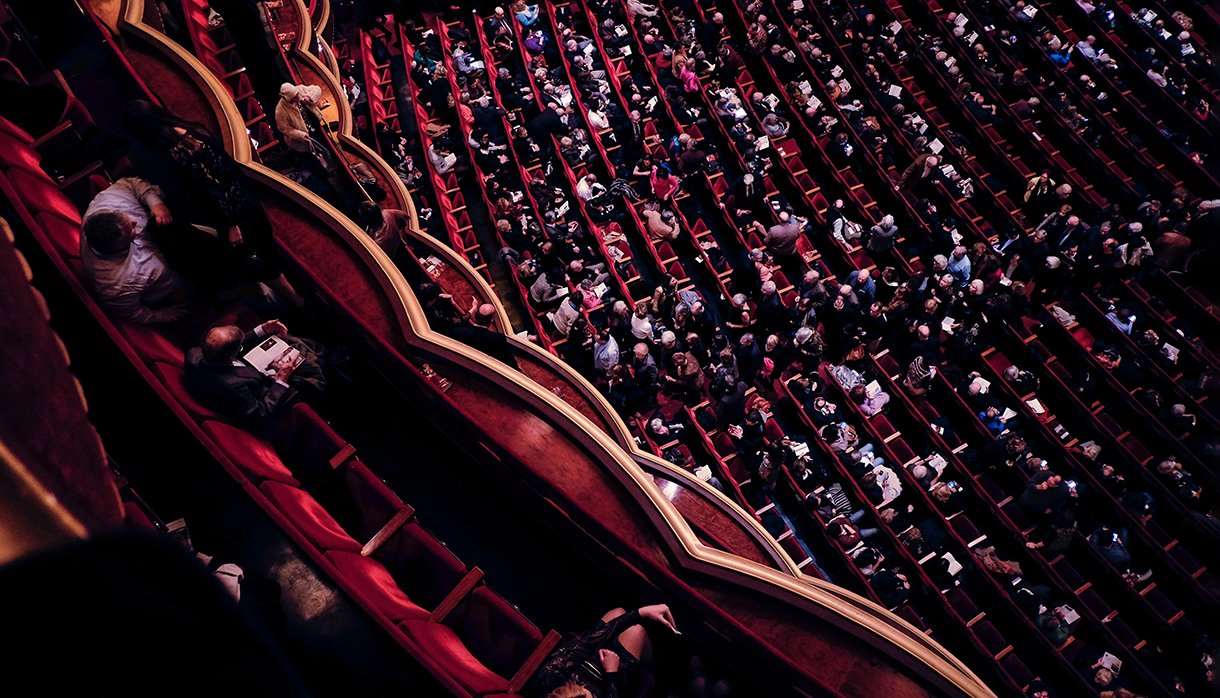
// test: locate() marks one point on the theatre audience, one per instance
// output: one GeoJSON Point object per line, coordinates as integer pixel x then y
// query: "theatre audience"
{"type": "Point", "coordinates": [828, 318]}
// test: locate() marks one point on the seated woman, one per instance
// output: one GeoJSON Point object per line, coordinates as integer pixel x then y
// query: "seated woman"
{"type": "Point", "coordinates": [525, 13]}
{"type": "Point", "coordinates": [605, 661]}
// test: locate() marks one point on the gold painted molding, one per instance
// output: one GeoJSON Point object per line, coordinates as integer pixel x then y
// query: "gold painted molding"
{"type": "Point", "coordinates": [616, 450]}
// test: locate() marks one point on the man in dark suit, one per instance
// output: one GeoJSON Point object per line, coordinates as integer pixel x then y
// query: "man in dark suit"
{"type": "Point", "coordinates": [218, 377]}
{"type": "Point", "coordinates": [547, 123]}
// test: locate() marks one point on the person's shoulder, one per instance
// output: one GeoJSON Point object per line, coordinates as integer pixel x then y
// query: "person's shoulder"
{"type": "Point", "coordinates": [193, 360]}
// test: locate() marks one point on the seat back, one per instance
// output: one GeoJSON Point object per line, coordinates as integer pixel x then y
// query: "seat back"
{"type": "Point", "coordinates": [423, 567]}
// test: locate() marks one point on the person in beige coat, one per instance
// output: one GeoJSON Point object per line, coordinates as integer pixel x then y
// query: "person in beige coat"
{"type": "Point", "coordinates": [295, 100]}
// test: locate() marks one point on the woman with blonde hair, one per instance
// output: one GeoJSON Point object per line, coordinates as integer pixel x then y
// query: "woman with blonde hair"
{"type": "Point", "coordinates": [604, 662]}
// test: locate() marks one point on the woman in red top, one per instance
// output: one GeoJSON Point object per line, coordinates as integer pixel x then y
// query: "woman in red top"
{"type": "Point", "coordinates": [663, 183]}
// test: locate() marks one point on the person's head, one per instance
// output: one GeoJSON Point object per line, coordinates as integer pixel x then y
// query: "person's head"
{"type": "Point", "coordinates": [640, 351]}
{"type": "Point", "coordinates": [1104, 677]}
{"type": "Point", "coordinates": [109, 232]}
{"type": "Point", "coordinates": [485, 314]}
{"type": "Point", "coordinates": [291, 93]}
{"type": "Point", "coordinates": [369, 216]}
{"type": "Point", "coordinates": [1045, 480]}
{"type": "Point", "coordinates": [570, 689]}
{"type": "Point", "coordinates": [768, 287]}
{"type": "Point", "coordinates": [222, 343]}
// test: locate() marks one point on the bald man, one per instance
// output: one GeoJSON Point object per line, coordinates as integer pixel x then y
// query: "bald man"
{"type": "Point", "coordinates": [217, 376]}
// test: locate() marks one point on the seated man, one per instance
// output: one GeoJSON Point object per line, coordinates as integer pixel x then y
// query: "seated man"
{"type": "Point", "coordinates": [217, 374]}
{"type": "Point", "coordinates": [126, 268]}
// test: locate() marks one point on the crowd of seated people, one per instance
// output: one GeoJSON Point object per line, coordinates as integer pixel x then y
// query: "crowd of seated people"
{"type": "Point", "coordinates": [909, 279]}
{"type": "Point", "coordinates": [182, 244]}
{"type": "Point", "coordinates": [933, 297]}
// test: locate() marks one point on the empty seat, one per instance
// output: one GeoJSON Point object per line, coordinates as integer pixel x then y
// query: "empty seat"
{"type": "Point", "coordinates": [494, 631]}
{"type": "Point", "coordinates": [172, 376]}
{"type": "Point", "coordinates": [151, 344]}
{"type": "Point", "coordinates": [63, 233]}
{"type": "Point", "coordinates": [41, 194]}
{"type": "Point", "coordinates": [15, 132]}
{"type": "Point", "coordinates": [253, 455]}
{"type": "Point", "coordinates": [14, 153]}
{"type": "Point", "coordinates": [445, 647]}
{"type": "Point", "coordinates": [372, 585]}
{"type": "Point", "coordinates": [425, 568]}
{"type": "Point", "coordinates": [309, 517]}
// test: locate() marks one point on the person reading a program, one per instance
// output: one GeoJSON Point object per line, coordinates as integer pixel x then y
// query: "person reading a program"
{"type": "Point", "coordinates": [251, 376]}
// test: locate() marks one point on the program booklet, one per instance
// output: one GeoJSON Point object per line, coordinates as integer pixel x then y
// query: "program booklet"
{"type": "Point", "coordinates": [1111, 662]}
{"type": "Point", "coordinates": [272, 354]}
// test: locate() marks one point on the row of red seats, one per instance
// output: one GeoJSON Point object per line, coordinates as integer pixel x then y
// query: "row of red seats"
{"type": "Point", "coordinates": [541, 330]}
{"type": "Point", "coordinates": [216, 49]}
{"type": "Point", "coordinates": [451, 201]}
{"type": "Point", "coordinates": [625, 277]}
{"type": "Point", "coordinates": [365, 538]}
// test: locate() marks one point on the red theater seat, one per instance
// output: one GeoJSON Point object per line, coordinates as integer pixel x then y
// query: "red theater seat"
{"type": "Point", "coordinates": [151, 344]}
{"type": "Point", "coordinates": [16, 154]}
{"type": "Point", "coordinates": [373, 584]}
{"type": "Point", "coordinates": [171, 375]}
{"type": "Point", "coordinates": [64, 233]}
{"type": "Point", "coordinates": [424, 567]}
{"type": "Point", "coordinates": [376, 502]}
{"type": "Point", "coordinates": [444, 645]}
{"type": "Point", "coordinates": [494, 630]}
{"type": "Point", "coordinates": [41, 194]}
{"type": "Point", "coordinates": [15, 132]}
{"type": "Point", "coordinates": [252, 454]}
{"type": "Point", "coordinates": [309, 516]}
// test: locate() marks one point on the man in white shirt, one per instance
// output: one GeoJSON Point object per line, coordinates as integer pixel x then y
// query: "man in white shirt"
{"type": "Point", "coordinates": [127, 270]}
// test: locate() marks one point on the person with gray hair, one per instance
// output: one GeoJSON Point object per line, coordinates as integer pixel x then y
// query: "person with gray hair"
{"type": "Point", "coordinates": [298, 103]}
{"type": "Point", "coordinates": [217, 375]}
{"type": "Point", "coordinates": [883, 235]}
